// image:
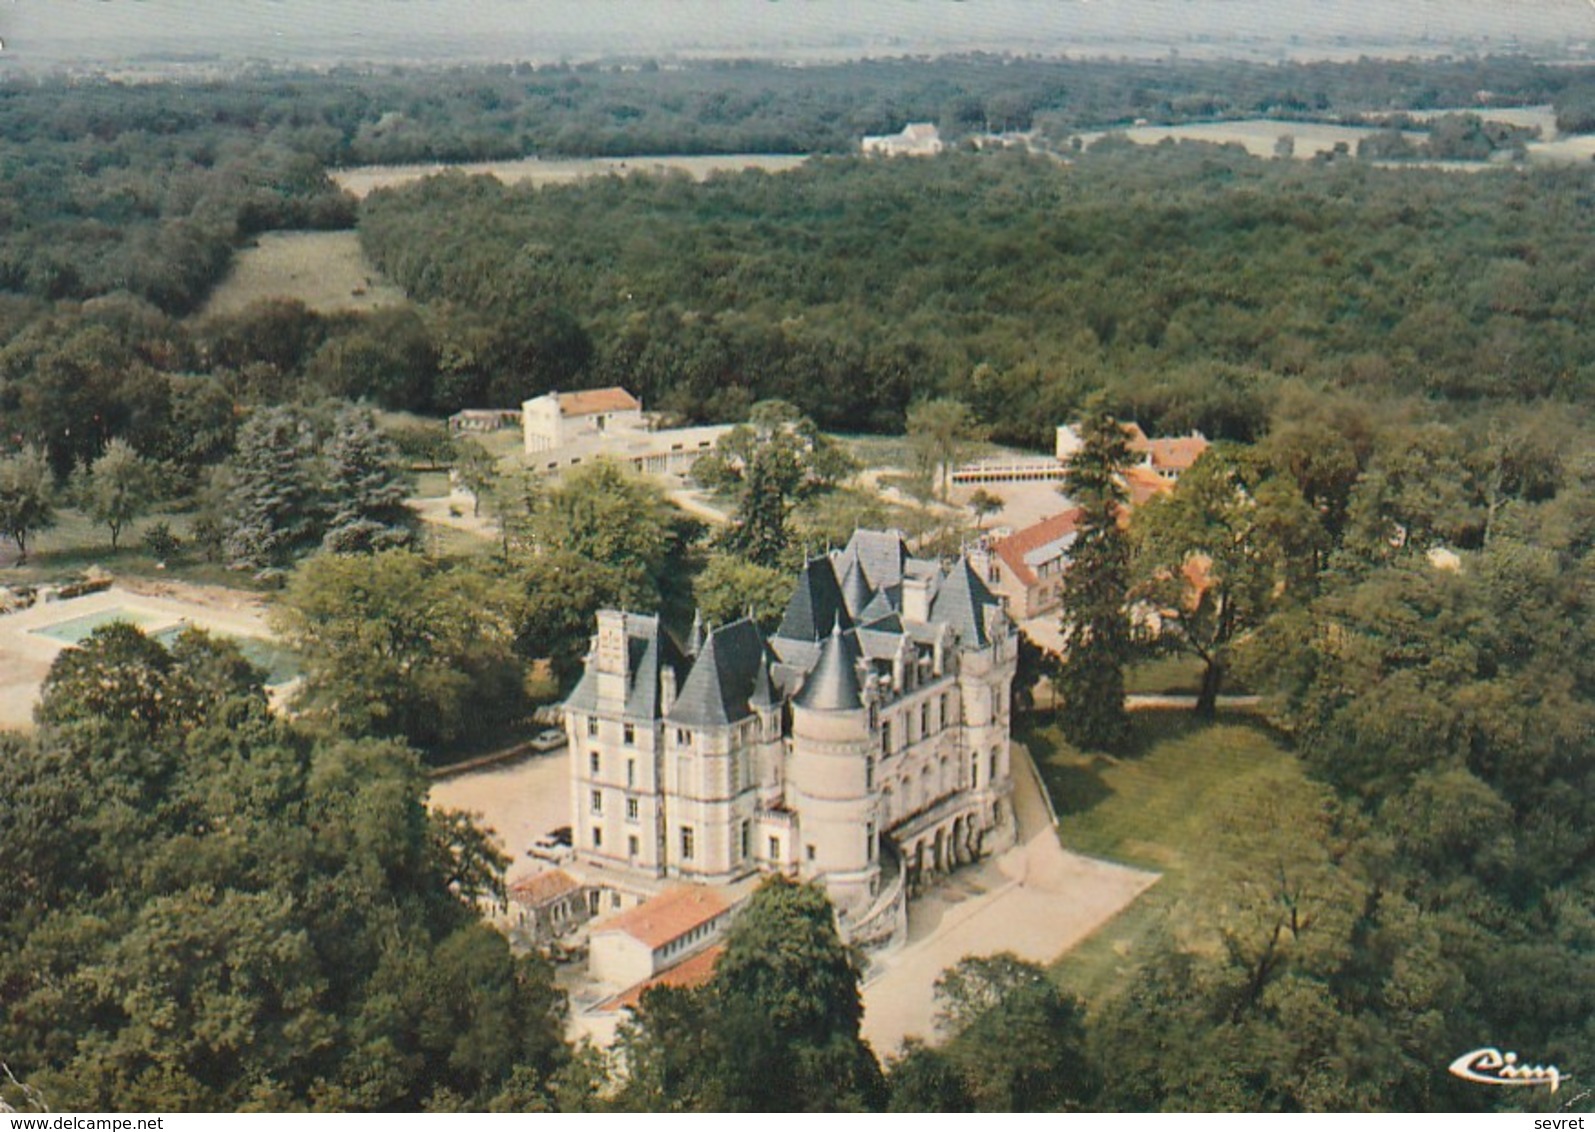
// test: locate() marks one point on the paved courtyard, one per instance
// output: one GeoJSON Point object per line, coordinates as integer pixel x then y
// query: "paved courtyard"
{"type": "Point", "coordinates": [1037, 900]}
{"type": "Point", "coordinates": [518, 801]}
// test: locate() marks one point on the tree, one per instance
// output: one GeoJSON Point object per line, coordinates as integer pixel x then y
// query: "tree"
{"type": "Point", "coordinates": [271, 502]}
{"type": "Point", "coordinates": [1018, 1040]}
{"type": "Point", "coordinates": [728, 588]}
{"type": "Point", "coordinates": [941, 433]}
{"type": "Point", "coordinates": [394, 645]}
{"type": "Point", "coordinates": [606, 514]}
{"type": "Point", "coordinates": [1230, 545]}
{"type": "Point", "coordinates": [365, 489]}
{"type": "Point", "coordinates": [116, 488]}
{"type": "Point", "coordinates": [1095, 592]}
{"type": "Point", "coordinates": [775, 1030]}
{"type": "Point", "coordinates": [477, 470]}
{"type": "Point", "coordinates": [760, 530]}
{"type": "Point", "coordinates": [984, 503]}
{"type": "Point", "coordinates": [25, 506]}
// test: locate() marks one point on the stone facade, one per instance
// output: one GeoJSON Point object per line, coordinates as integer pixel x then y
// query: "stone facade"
{"type": "Point", "coordinates": [864, 744]}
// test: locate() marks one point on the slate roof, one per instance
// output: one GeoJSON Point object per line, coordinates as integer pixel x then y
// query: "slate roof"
{"type": "Point", "coordinates": [648, 649]}
{"type": "Point", "coordinates": [883, 554]}
{"type": "Point", "coordinates": [961, 603]}
{"type": "Point", "coordinates": [833, 684]}
{"type": "Point", "coordinates": [816, 605]}
{"type": "Point", "coordinates": [724, 676]}
{"type": "Point", "coordinates": [856, 591]}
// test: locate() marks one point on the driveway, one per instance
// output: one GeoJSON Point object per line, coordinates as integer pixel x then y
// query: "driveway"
{"type": "Point", "coordinates": [1036, 900]}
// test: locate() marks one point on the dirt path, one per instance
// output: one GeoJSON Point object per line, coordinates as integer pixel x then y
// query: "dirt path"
{"type": "Point", "coordinates": [1037, 900]}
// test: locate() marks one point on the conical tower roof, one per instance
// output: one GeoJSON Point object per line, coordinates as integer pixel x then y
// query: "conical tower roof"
{"type": "Point", "coordinates": [832, 684]}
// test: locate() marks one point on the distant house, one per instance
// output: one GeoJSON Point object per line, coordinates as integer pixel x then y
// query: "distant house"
{"type": "Point", "coordinates": [550, 904]}
{"type": "Point", "coordinates": [484, 420]}
{"type": "Point", "coordinates": [1027, 567]}
{"type": "Point", "coordinates": [917, 139]}
{"type": "Point", "coordinates": [557, 419]}
{"type": "Point", "coordinates": [637, 944]}
{"type": "Point", "coordinates": [1166, 456]}
{"type": "Point", "coordinates": [565, 430]}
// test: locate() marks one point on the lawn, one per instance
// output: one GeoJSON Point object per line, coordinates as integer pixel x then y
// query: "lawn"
{"type": "Point", "coordinates": [1160, 807]}
{"type": "Point", "coordinates": [327, 271]}
{"type": "Point", "coordinates": [73, 544]}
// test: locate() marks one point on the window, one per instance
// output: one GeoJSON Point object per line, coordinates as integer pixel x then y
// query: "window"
{"type": "Point", "coordinates": [775, 848]}
{"type": "Point", "coordinates": [869, 841]}
{"type": "Point", "coordinates": [991, 776]}
{"type": "Point", "coordinates": [946, 709]}
{"type": "Point", "coordinates": [924, 719]}
{"type": "Point", "coordinates": [631, 772]}
{"type": "Point", "coordinates": [629, 735]}
{"type": "Point", "coordinates": [592, 725]}
{"type": "Point", "coordinates": [687, 843]}
{"type": "Point", "coordinates": [974, 770]}
{"type": "Point", "coordinates": [631, 809]}
{"type": "Point", "coordinates": [594, 763]}
{"type": "Point", "coordinates": [598, 801]}
{"type": "Point", "coordinates": [745, 843]}
{"type": "Point", "coordinates": [683, 737]}
{"type": "Point", "coordinates": [886, 737]}
{"type": "Point", "coordinates": [810, 849]}
{"type": "Point", "coordinates": [869, 772]}
{"type": "Point", "coordinates": [598, 838]}
{"type": "Point", "coordinates": [632, 846]}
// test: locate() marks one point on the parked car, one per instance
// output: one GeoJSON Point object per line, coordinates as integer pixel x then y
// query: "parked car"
{"type": "Point", "coordinates": [548, 739]}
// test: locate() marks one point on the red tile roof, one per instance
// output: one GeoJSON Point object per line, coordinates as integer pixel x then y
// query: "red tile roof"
{"type": "Point", "coordinates": [667, 916]}
{"type": "Point", "coordinates": [693, 971]}
{"type": "Point", "coordinates": [588, 401]}
{"type": "Point", "coordinates": [1012, 550]}
{"type": "Point", "coordinates": [542, 887]}
{"type": "Point", "coordinates": [1145, 484]}
{"type": "Point", "coordinates": [1177, 453]}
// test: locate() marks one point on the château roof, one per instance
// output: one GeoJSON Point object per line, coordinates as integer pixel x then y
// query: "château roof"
{"type": "Point", "coordinates": [817, 603]}
{"type": "Point", "coordinates": [961, 603]}
{"type": "Point", "coordinates": [833, 684]}
{"type": "Point", "coordinates": [649, 648]}
{"type": "Point", "coordinates": [724, 677]}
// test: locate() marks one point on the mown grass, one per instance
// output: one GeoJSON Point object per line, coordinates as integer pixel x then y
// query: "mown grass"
{"type": "Point", "coordinates": [73, 543]}
{"type": "Point", "coordinates": [1162, 807]}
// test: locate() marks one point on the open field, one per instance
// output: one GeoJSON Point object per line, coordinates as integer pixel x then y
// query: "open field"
{"type": "Point", "coordinates": [1161, 808]}
{"type": "Point", "coordinates": [326, 271]}
{"type": "Point", "coordinates": [1260, 135]}
{"type": "Point", "coordinates": [363, 179]}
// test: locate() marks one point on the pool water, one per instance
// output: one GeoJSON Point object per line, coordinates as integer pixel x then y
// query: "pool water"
{"type": "Point", "coordinates": [77, 629]}
{"type": "Point", "coordinates": [279, 663]}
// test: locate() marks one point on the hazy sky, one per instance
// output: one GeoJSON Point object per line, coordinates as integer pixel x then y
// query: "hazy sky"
{"type": "Point", "coordinates": [112, 32]}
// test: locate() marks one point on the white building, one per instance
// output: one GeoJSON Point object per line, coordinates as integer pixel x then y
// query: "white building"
{"type": "Point", "coordinates": [863, 745]}
{"type": "Point", "coordinates": [917, 139]}
{"type": "Point", "coordinates": [565, 430]}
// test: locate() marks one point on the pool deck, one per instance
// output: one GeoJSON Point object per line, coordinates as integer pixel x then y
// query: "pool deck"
{"type": "Point", "coordinates": [26, 654]}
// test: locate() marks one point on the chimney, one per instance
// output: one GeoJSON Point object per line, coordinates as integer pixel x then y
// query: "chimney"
{"type": "Point", "coordinates": [667, 688]}
{"type": "Point", "coordinates": [916, 599]}
{"type": "Point", "coordinates": [610, 657]}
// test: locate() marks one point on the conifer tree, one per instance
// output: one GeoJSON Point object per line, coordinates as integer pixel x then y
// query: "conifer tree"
{"type": "Point", "coordinates": [366, 489]}
{"type": "Point", "coordinates": [271, 508]}
{"type": "Point", "coordinates": [1096, 622]}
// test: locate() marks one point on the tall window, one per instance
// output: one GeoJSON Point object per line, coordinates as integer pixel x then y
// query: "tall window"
{"type": "Point", "coordinates": [991, 775]}
{"type": "Point", "coordinates": [886, 737]}
{"type": "Point", "coordinates": [592, 725]}
{"type": "Point", "coordinates": [629, 735]}
{"type": "Point", "coordinates": [688, 843]}
{"type": "Point", "coordinates": [745, 842]}
{"type": "Point", "coordinates": [594, 763]}
{"type": "Point", "coordinates": [631, 809]}
{"type": "Point", "coordinates": [869, 772]}
{"type": "Point", "coordinates": [924, 719]}
{"type": "Point", "coordinates": [598, 801]}
{"type": "Point", "coordinates": [632, 846]}
{"type": "Point", "coordinates": [775, 848]}
{"type": "Point", "coordinates": [598, 838]}
{"type": "Point", "coordinates": [869, 841]}
{"type": "Point", "coordinates": [974, 770]}
{"type": "Point", "coordinates": [631, 772]}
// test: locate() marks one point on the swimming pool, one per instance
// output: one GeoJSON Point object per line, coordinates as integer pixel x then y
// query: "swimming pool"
{"type": "Point", "coordinates": [74, 630]}
{"type": "Point", "coordinates": [281, 664]}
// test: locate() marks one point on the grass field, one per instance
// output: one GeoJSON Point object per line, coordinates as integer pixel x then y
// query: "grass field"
{"type": "Point", "coordinates": [326, 271]}
{"type": "Point", "coordinates": [1161, 807]}
{"type": "Point", "coordinates": [360, 180]}
{"type": "Point", "coordinates": [74, 543]}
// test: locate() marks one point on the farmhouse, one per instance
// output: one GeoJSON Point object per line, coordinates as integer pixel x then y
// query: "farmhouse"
{"type": "Point", "coordinates": [917, 139]}
{"type": "Point", "coordinates": [565, 430]}
{"type": "Point", "coordinates": [863, 745]}
{"type": "Point", "coordinates": [1027, 567]}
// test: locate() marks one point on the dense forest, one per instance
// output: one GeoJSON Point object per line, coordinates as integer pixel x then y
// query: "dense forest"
{"type": "Point", "coordinates": [207, 906]}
